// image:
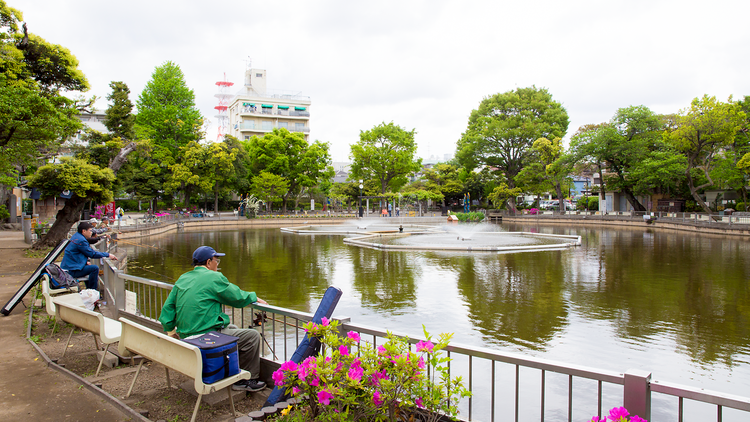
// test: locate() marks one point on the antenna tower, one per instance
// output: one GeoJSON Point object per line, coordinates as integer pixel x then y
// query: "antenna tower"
{"type": "Point", "coordinates": [223, 118]}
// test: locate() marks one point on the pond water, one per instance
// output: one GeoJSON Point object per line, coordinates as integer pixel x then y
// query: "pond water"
{"type": "Point", "coordinates": [676, 304]}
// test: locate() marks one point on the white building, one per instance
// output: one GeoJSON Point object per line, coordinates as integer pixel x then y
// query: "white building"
{"type": "Point", "coordinates": [257, 111]}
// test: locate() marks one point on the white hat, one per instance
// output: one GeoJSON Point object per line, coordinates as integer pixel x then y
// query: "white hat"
{"type": "Point", "coordinates": [94, 221]}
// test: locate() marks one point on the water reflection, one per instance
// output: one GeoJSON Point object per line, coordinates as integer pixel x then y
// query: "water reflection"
{"type": "Point", "coordinates": [674, 303]}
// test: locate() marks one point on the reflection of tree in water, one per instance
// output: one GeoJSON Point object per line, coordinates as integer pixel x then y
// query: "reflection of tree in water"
{"type": "Point", "coordinates": [514, 298]}
{"type": "Point", "coordinates": [654, 284]}
{"type": "Point", "coordinates": [385, 280]}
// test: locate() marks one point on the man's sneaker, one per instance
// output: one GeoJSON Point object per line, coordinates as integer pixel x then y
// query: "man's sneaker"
{"type": "Point", "coordinates": [249, 385]}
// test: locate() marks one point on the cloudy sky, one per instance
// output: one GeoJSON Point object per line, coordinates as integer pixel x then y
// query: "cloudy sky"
{"type": "Point", "coordinates": [424, 65]}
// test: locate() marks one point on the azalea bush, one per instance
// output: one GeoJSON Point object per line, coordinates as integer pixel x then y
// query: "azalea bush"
{"type": "Point", "coordinates": [353, 381]}
{"type": "Point", "coordinates": [618, 414]}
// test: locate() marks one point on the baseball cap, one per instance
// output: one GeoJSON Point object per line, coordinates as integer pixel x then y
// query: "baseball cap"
{"type": "Point", "coordinates": [204, 253]}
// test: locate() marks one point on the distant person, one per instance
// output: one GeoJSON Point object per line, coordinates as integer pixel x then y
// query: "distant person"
{"type": "Point", "coordinates": [361, 211]}
{"type": "Point", "coordinates": [194, 307]}
{"type": "Point", "coordinates": [78, 252]}
{"type": "Point", "coordinates": [398, 211]}
{"type": "Point", "coordinates": [119, 213]}
{"type": "Point", "coordinates": [390, 210]}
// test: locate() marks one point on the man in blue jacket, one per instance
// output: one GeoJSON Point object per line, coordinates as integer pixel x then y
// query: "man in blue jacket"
{"type": "Point", "coordinates": [78, 252]}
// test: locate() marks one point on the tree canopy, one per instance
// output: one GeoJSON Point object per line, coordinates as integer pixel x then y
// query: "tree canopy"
{"type": "Point", "coordinates": [502, 130]}
{"type": "Point", "coordinates": [385, 153]}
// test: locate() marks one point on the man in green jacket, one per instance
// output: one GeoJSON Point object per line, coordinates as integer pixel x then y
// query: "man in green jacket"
{"type": "Point", "coordinates": [194, 308]}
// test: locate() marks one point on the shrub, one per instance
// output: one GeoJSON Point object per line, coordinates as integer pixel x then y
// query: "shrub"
{"type": "Point", "coordinates": [353, 381]}
{"type": "Point", "coordinates": [469, 216]}
{"type": "Point", "coordinates": [740, 206]}
{"type": "Point", "coordinates": [4, 213]}
{"type": "Point", "coordinates": [593, 203]}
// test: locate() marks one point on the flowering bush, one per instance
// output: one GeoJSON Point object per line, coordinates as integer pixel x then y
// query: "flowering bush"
{"type": "Point", "coordinates": [354, 381]}
{"type": "Point", "coordinates": [533, 211]}
{"type": "Point", "coordinates": [618, 414]}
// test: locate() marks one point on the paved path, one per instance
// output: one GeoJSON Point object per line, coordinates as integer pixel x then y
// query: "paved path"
{"type": "Point", "coordinates": [29, 390]}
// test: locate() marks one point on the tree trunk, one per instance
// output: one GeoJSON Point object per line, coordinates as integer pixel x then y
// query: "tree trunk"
{"type": "Point", "coordinates": [634, 202]}
{"type": "Point", "coordinates": [64, 220]}
{"type": "Point", "coordinates": [560, 200]}
{"type": "Point", "coordinates": [694, 192]}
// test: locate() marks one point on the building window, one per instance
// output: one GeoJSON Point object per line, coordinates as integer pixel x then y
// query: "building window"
{"type": "Point", "coordinates": [284, 125]}
{"type": "Point", "coordinates": [258, 75]}
{"type": "Point", "coordinates": [247, 137]}
{"type": "Point", "coordinates": [266, 125]}
{"type": "Point", "coordinates": [299, 127]}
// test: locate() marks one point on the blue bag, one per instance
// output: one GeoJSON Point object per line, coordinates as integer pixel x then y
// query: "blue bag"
{"type": "Point", "coordinates": [220, 355]}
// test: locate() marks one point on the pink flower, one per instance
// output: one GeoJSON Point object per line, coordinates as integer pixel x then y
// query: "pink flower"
{"type": "Point", "coordinates": [637, 418]}
{"type": "Point", "coordinates": [344, 350]}
{"type": "Point", "coordinates": [419, 402]}
{"type": "Point", "coordinates": [353, 335]}
{"type": "Point", "coordinates": [420, 363]}
{"type": "Point", "coordinates": [324, 321]}
{"type": "Point", "coordinates": [618, 413]}
{"type": "Point", "coordinates": [425, 346]}
{"type": "Point", "coordinates": [596, 419]}
{"type": "Point", "coordinates": [278, 377]}
{"type": "Point", "coordinates": [288, 366]}
{"type": "Point", "coordinates": [312, 326]}
{"type": "Point", "coordinates": [376, 398]}
{"type": "Point", "coordinates": [296, 390]}
{"type": "Point", "coordinates": [315, 381]}
{"type": "Point", "coordinates": [381, 350]}
{"type": "Point", "coordinates": [355, 373]}
{"type": "Point", "coordinates": [339, 366]}
{"type": "Point", "coordinates": [324, 397]}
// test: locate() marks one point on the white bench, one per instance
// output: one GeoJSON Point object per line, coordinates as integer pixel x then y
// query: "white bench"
{"type": "Point", "coordinates": [175, 354]}
{"type": "Point", "coordinates": [107, 329]}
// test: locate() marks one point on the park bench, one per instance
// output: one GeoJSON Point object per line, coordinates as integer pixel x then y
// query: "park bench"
{"type": "Point", "coordinates": [173, 354]}
{"type": "Point", "coordinates": [48, 293]}
{"type": "Point", "coordinates": [95, 323]}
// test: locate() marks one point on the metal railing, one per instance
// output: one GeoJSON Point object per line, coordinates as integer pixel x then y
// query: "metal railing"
{"type": "Point", "coordinates": [480, 367]}
{"type": "Point", "coordinates": [693, 218]}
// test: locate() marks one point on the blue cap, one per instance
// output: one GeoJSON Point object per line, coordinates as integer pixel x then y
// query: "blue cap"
{"type": "Point", "coordinates": [204, 253]}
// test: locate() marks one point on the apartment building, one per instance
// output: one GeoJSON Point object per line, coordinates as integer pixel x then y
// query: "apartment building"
{"type": "Point", "coordinates": [257, 111]}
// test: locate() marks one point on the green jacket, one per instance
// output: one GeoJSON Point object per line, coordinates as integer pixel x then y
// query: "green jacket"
{"type": "Point", "coordinates": [194, 305]}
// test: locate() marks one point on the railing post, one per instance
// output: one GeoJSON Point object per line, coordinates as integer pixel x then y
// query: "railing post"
{"type": "Point", "coordinates": [637, 393]}
{"type": "Point", "coordinates": [118, 290]}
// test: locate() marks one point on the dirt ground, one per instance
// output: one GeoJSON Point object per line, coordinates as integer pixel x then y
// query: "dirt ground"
{"type": "Point", "coordinates": [32, 391]}
{"type": "Point", "coordinates": [150, 392]}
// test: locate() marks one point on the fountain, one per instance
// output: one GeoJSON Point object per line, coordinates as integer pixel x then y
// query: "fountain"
{"type": "Point", "coordinates": [481, 237]}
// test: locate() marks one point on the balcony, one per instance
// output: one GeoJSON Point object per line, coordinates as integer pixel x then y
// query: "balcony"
{"type": "Point", "coordinates": [273, 112]}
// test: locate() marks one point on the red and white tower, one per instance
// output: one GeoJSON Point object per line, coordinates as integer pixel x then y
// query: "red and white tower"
{"type": "Point", "coordinates": [223, 117]}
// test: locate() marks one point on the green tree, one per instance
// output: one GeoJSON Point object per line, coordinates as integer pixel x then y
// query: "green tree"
{"type": "Point", "coordinates": [105, 152]}
{"type": "Point", "coordinates": [385, 154]}
{"type": "Point", "coordinates": [502, 130]}
{"type": "Point", "coordinates": [168, 116]}
{"type": "Point", "coordinates": [503, 193]}
{"type": "Point", "coordinates": [549, 166]}
{"type": "Point", "coordinates": [120, 119]}
{"type": "Point", "coordinates": [289, 155]}
{"type": "Point", "coordinates": [220, 160]}
{"type": "Point", "coordinates": [269, 187]}
{"type": "Point", "coordinates": [36, 113]}
{"type": "Point", "coordinates": [192, 173]}
{"type": "Point", "coordinates": [444, 178]}
{"type": "Point", "coordinates": [620, 146]}
{"type": "Point", "coordinates": [701, 132]}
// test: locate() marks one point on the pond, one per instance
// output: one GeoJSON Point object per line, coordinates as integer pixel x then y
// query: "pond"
{"type": "Point", "coordinates": [676, 304]}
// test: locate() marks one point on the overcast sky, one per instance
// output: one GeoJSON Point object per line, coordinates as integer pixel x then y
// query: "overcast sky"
{"type": "Point", "coordinates": [424, 65]}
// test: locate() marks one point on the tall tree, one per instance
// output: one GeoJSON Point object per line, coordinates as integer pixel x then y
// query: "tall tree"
{"type": "Point", "coordinates": [289, 155]}
{"type": "Point", "coordinates": [35, 114]}
{"type": "Point", "coordinates": [191, 174]}
{"type": "Point", "coordinates": [96, 167]}
{"type": "Point", "coordinates": [385, 153]}
{"type": "Point", "coordinates": [502, 130]}
{"type": "Point", "coordinates": [701, 131]}
{"type": "Point", "coordinates": [269, 187]}
{"type": "Point", "coordinates": [168, 116]}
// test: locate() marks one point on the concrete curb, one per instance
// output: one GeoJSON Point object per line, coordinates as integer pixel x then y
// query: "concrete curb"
{"type": "Point", "coordinates": [91, 387]}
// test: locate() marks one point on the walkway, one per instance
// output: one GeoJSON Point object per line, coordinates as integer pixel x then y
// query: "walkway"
{"type": "Point", "coordinates": [29, 390]}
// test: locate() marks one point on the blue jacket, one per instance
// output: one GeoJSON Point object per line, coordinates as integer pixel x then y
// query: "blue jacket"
{"type": "Point", "coordinates": [77, 252]}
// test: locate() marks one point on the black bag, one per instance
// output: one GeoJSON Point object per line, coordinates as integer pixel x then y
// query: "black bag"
{"type": "Point", "coordinates": [220, 355]}
{"type": "Point", "coordinates": [59, 279]}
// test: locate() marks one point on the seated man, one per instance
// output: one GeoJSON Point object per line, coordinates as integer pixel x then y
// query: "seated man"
{"type": "Point", "coordinates": [78, 252]}
{"type": "Point", "coordinates": [194, 308]}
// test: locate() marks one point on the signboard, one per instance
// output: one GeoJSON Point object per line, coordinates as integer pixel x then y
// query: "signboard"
{"type": "Point", "coordinates": [109, 210]}
{"type": "Point", "coordinates": [130, 302]}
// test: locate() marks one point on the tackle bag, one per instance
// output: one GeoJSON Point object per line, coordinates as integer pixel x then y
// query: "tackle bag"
{"type": "Point", "coordinates": [220, 355]}
{"type": "Point", "coordinates": [58, 278]}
